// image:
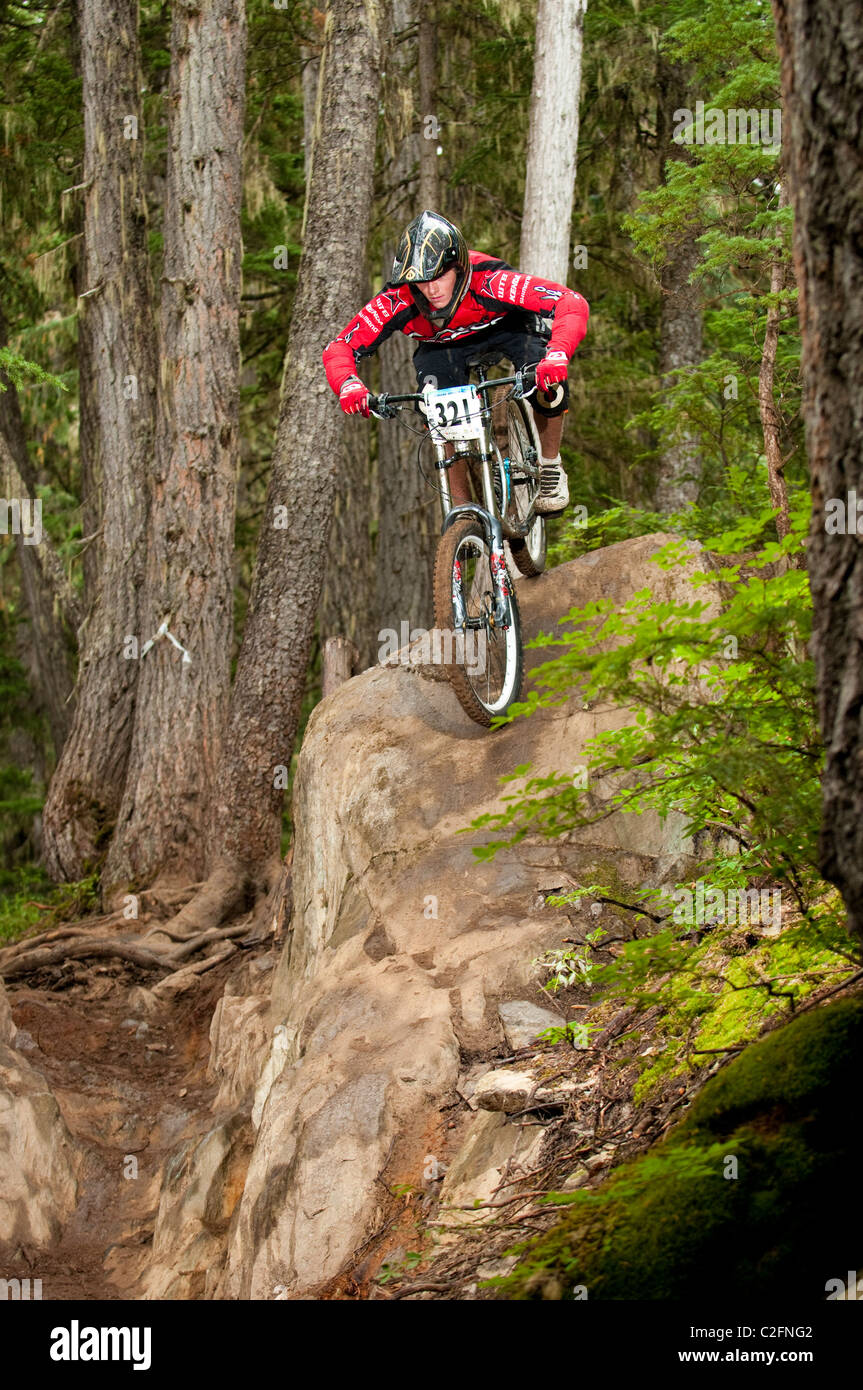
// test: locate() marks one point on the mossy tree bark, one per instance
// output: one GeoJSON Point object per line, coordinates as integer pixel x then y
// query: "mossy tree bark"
{"type": "Point", "coordinates": [822, 82]}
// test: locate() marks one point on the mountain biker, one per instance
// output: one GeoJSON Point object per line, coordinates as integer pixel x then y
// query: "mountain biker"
{"type": "Point", "coordinates": [458, 303]}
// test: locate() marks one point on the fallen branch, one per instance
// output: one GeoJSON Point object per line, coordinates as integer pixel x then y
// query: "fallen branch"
{"type": "Point", "coordinates": [507, 1201]}
{"type": "Point", "coordinates": [437, 1287]}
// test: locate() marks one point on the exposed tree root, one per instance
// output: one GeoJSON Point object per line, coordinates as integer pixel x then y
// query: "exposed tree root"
{"type": "Point", "coordinates": [193, 944]}
{"type": "Point", "coordinates": [179, 980]}
{"type": "Point", "coordinates": [15, 962]}
{"type": "Point", "coordinates": [75, 950]}
{"type": "Point", "coordinates": [230, 887]}
{"type": "Point", "coordinates": [218, 898]}
{"type": "Point", "coordinates": [195, 927]}
{"type": "Point", "coordinates": [20, 948]}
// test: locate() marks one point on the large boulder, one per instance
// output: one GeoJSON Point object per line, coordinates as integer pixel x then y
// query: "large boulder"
{"type": "Point", "coordinates": [403, 945]}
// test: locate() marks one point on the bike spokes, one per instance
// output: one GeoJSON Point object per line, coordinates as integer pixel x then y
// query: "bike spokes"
{"type": "Point", "coordinates": [487, 662]}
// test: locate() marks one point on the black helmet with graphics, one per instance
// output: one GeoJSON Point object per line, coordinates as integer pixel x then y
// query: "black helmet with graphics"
{"type": "Point", "coordinates": [428, 248]}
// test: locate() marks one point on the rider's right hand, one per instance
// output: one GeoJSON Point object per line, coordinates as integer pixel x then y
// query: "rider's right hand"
{"type": "Point", "coordinates": [354, 397]}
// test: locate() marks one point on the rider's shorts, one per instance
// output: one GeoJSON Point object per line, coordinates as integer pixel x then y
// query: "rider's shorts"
{"type": "Point", "coordinates": [513, 339]}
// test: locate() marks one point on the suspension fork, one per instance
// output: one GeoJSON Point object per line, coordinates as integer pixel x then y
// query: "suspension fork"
{"type": "Point", "coordinates": [493, 536]}
{"type": "Point", "coordinates": [443, 465]}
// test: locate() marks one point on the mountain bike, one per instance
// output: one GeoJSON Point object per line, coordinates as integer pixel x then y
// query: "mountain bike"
{"type": "Point", "coordinates": [490, 425]}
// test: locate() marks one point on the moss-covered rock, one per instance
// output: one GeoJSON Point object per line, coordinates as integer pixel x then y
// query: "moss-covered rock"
{"type": "Point", "coordinates": [748, 1194]}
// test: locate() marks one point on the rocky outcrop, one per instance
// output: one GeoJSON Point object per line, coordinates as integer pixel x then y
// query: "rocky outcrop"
{"type": "Point", "coordinates": [39, 1160]}
{"type": "Point", "coordinates": [199, 1192]}
{"type": "Point", "coordinates": [404, 947]}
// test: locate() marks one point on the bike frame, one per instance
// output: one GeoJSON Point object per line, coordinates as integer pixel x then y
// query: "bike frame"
{"type": "Point", "coordinates": [494, 525]}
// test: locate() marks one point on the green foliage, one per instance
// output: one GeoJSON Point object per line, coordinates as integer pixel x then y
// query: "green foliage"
{"type": "Point", "coordinates": [744, 1187]}
{"type": "Point", "coordinates": [724, 730]}
{"type": "Point", "coordinates": [390, 1271]}
{"type": "Point", "coordinates": [567, 968]}
{"type": "Point", "coordinates": [723, 738]}
{"type": "Point", "coordinates": [22, 895]}
{"type": "Point", "coordinates": [728, 193]}
{"type": "Point", "coordinates": [20, 370]}
{"type": "Point", "coordinates": [575, 1033]}
{"type": "Point", "coordinates": [29, 901]}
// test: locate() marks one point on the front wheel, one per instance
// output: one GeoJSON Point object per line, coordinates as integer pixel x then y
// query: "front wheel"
{"type": "Point", "coordinates": [484, 664]}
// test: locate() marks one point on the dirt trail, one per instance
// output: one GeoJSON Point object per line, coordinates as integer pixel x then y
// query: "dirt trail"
{"type": "Point", "coordinates": [131, 1087]}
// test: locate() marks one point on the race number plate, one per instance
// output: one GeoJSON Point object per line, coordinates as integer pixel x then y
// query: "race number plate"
{"type": "Point", "coordinates": [453, 412]}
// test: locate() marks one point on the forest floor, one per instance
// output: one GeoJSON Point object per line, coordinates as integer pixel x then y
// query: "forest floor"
{"type": "Point", "coordinates": [133, 1088]}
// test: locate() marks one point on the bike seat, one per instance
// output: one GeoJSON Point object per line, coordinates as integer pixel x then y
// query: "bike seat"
{"type": "Point", "coordinates": [489, 358]}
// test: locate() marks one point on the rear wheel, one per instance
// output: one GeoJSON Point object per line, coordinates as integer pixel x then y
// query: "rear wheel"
{"type": "Point", "coordinates": [516, 438]}
{"type": "Point", "coordinates": [483, 663]}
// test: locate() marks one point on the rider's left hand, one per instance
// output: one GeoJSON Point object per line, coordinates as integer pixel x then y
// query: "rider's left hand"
{"type": "Point", "coordinates": [552, 369]}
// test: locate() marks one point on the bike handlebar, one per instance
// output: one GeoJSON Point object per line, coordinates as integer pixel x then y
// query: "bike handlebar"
{"type": "Point", "coordinates": [385, 405]}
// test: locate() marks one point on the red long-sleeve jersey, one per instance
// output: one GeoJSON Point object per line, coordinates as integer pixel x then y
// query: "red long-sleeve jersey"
{"type": "Point", "coordinates": [495, 289]}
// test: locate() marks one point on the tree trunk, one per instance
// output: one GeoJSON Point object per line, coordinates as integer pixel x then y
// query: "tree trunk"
{"type": "Point", "coordinates": [771, 423]}
{"type": "Point", "coordinates": [429, 183]}
{"type": "Point", "coordinates": [347, 607]}
{"type": "Point", "coordinates": [680, 332]}
{"type": "Point", "coordinates": [552, 145]}
{"type": "Point", "coordinates": [48, 647]}
{"type": "Point", "coordinates": [117, 367]}
{"type": "Point", "coordinates": [408, 514]}
{"type": "Point", "coordinates": [164, 818]}
{"type": "Point", "coordinates": [52, 607]}
{"type": "Point", "coordinates": [311, 70]}
{"type": "Point", "coordinates": [680, 345]}
{"type": "Point", "coordinates": [408, 509]}
{"type": "Point", "coordinates": [292, 546]}
{"type": "Point", "coordinates": [339, 662]}
{"type": "Point", "coordinates": [822, 81]}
